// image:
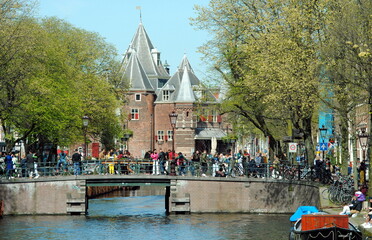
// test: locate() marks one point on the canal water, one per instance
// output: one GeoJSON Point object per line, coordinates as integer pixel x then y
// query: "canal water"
{"type": "Point", "coordinates": [140, 214]}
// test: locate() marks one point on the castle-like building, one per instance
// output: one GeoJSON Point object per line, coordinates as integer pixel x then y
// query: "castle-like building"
{"type": "Point", "coordinates": [153, 95]}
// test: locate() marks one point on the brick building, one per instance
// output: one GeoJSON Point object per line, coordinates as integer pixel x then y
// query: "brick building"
{"type": "Point", "coordinates": [154, 94]}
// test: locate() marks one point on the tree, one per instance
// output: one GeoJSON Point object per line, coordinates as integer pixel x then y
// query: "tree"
{"type": "Point", "coordinates": [52, 74]}
{"type": "Point", "coordinates": [267, 53]}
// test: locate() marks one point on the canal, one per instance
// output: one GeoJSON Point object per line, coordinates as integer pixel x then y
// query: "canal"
{"type": "Point", "coordinates": [140, 214]}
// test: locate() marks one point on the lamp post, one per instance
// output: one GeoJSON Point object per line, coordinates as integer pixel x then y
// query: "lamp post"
{"type": "Point", "coordinates": [323, 134]}
{"type": "Point", "coordinates": [363, 141]}
{"type": "Point", "coordinates": [232, 162]}
{"type": "Point", "coordinates": [173, 121]}
{"type": "Point", "coordinates": [85, 127]}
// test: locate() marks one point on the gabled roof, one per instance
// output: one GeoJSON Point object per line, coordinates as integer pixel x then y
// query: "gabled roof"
{"type": "Point", "coordinates": [184, 86]}
{"type": "Point", "coordinates": [136, 75]}
{"type": "Point", "coordinates": [141, 43]}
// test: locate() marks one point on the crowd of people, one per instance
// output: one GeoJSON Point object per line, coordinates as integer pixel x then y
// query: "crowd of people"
{"type": "Point", "coordinates": [199, 163]}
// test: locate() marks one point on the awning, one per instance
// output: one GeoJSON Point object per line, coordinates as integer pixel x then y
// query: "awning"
{"type": "Point", "coordinates": [209, 133]}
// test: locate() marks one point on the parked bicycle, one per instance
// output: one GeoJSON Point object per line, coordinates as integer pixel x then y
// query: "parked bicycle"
{"type": "Point", "coordinates": [237, 170]}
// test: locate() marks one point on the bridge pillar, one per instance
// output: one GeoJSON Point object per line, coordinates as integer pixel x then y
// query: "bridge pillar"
{"type": "Point", "coordinates": [178, 203]}
{"type": "Point", "coordinates": [77, 202]}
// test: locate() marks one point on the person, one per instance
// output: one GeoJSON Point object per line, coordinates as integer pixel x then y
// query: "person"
{"type": "Point", "coordinates": [181, 162]}
{"type": "Point", "coordinates": [195, 160]}
{"type": "Point", "coordinates": [45, 160]}
{"type": "Point", "coordinates": [155, 165]}
{"type": "Point", "coordinates": [319, 168]}
{"type": "Point", "coordinates": [216, 163]}
{"type": "Point", "coordinates": [275, 171]}
{"type": "Point", "coordinates": [23, 166]}
{"type": "Point", "coordinates": [355, 206]}
{"type": "Point", "coordinates": [252, 168]}
{"type": "Point", "coordinates": [162, 159]}
{"type": "Point", "coordinates": [102, 154]}
{"type": "Point", "coordinates": [61, 164]}
{"type": "Point", "coordinates": [76, 159]}
{"type": "Point", "coordinates": [36, 157]}
{"type": "Point", "coordinates": [220, 173]}
{"type": "Point", "coordinates": [30, 164]}
{"type": "Point", "coordinates": [173, 164]}
{"type": "Point", "coordinates": [368, 222]}
{"type": "Point", "coordinates": [9, 166]}
{"type": "Point", "coordinates": [204, 163]}
{"type": "Point", "coordinates": [362, 172]}
{"type": "Point", "coordinates": [148, 167]}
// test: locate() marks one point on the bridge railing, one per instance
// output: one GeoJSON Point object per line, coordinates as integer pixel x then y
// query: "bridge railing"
{"type": "Point", "coordinates": [144, 166]}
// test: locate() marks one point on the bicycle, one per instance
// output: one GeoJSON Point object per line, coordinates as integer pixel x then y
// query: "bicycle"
{"type": "Point", "coordinates": [237, 170]}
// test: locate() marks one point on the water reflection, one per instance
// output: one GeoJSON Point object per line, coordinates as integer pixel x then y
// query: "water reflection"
{"type": "Point", "coordinates": [143, 217]}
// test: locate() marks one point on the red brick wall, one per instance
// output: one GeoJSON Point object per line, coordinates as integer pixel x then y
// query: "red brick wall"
{"type": "Point", "coordinates": [142, 128]}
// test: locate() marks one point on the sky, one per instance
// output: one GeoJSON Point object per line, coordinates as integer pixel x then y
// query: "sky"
{"type": "Point", "coordinates": [166, 22]}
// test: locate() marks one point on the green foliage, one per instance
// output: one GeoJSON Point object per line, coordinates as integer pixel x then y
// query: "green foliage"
{"type": "Point", "coordinates": [52, 74]}
{"type": "Point", "coordinates": [267, 53]}
{"type": "Point", "coordinates": [284, 60]}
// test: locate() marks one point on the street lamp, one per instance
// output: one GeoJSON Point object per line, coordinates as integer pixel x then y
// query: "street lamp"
{"type": "Point", "coordinates": [85, 127]}
{"type": "Point", "coordinates": [363, 141]}
{"type": "Point", "coordinates": [173, 120]}
{"type": "Point", "coordinates": [323, 134]}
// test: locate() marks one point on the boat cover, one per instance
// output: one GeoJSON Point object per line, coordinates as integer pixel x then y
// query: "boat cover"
{"type": "Point", "coordinates": [301, 211]}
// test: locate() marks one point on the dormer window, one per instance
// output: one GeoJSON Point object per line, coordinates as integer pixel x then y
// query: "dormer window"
{"type": "Point", "coordinates": [166, 94]}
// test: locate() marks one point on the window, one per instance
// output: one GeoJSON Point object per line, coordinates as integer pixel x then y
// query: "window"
{"type": "Point", "coordinates": [170, 135]}
{"type": "Point", "coordinates": [160, 135]}
{"type": "Point", "coordinates": [138, 97]}
{"type": "Point", "coordinates": [161, 82]}
{"type": "Point", "coordinates": [165, 95]}
{"type": "Point", "coordinates": [134, 114]}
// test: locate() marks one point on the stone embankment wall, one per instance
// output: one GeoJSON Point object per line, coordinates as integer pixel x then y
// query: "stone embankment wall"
{"type": "Point", "coordinates": [38, 197]}
{"type": "Point", "coordinates": [243, 196]}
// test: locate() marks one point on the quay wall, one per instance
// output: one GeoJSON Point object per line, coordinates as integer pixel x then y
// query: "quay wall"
{"type": "Point", "coordinates": [39, 197]}
{"type": "Point", "coordinates": [245, 196]}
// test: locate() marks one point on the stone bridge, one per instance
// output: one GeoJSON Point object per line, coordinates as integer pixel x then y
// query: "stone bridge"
{"type": "Point", "coordinates": [68, 195]}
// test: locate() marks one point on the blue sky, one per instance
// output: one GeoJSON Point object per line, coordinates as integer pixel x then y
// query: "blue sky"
{"type": "Point", "coordinates": [166, 22]}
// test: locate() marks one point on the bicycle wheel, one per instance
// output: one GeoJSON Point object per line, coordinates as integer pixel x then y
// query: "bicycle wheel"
{"type": "Point", "coordinates": [325, 194]}
{"type": "Point", "coordinates": [275, 174]}
{"type": "Point", "coordinates": [288, 174]}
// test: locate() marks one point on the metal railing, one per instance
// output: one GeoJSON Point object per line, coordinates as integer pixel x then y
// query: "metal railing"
{"type": "Point", "coordinates": [144, 166]}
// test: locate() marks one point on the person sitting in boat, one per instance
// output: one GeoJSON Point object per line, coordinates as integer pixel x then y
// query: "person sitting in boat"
{"type": "Point", "coordinates": [356, 205]}
{"type": "Point", "coordinates": [368, 223]}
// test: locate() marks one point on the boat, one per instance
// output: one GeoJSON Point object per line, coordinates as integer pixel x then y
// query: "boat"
{"type": "Point", "coordinates": [320, 225]}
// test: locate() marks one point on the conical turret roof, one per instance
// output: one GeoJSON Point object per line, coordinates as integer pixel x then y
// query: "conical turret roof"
{"type": "Point", "coordinates": [147, 54]}
{"type": "Point", "coordinates": [136, 75]}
